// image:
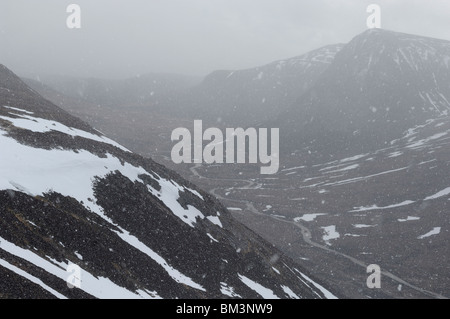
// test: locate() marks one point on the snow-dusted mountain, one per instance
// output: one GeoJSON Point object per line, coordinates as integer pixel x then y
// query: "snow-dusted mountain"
{"type": "Point", "coordinates": [69, 195]}
{"type": "Point", "coordinates": [380, 84]}
{"type": "Point", "coordinates": [233, 97]}
{"type": "Point", "coordinates": [251, 96]}
{"type": "Point", "coordinates": [364, 170]}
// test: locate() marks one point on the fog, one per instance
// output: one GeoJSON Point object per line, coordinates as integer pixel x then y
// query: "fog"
{"type": "Point", "coordinates": [121, 38]}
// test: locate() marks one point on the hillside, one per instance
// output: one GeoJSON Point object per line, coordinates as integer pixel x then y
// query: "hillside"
{"type": "Point", "coordinates": [69, 195]}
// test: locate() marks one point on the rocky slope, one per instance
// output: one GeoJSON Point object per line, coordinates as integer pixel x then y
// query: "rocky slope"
{"type": "Point", "coordinates": [69, 195]}
{"type": "Point", "coordinates": [252, 96]}
{"type": "Point", "coordinates": [379, 85]}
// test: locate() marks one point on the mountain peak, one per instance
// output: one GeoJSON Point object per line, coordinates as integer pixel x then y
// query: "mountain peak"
{"type": "Point", "coordinates": [380, 84]}
{"type": "Point", "coordinates": [395, 52]}
{"type": "Point", "coordinates": [398, 39]}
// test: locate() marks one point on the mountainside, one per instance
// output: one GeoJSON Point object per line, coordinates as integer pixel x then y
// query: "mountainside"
{"type": "Point", "coordinates": [364, 166]}
{"type": "Point", "coordinates": [380, 84]}
{"type": "Point", "coordinates": [387, 207]}
{"type": "Point", "coordinates": [251, 96]}
{"type": "Point", "coordinates": [233, 98]}
{"type": "Point", "coordinates": [69, 195]}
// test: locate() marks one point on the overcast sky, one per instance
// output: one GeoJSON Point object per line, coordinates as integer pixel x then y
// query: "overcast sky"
{"type": "Point", "coordinates": [121, 38]}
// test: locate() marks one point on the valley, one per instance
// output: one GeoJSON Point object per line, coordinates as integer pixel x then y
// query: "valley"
{"type": "Point", "coordinates": [364, 163]}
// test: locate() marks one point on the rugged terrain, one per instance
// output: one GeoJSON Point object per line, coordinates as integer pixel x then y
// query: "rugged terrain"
{"type": "Point", "coordinates": [71, 196]}
{"type": "Point", "coordinates": [364, 164]}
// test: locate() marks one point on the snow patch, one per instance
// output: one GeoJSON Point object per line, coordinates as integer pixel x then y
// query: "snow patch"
{"type": "Point", "coordinates": [363, 225]}
{"type": "Point", "coordinates": [375, 207]}
{"type": "Point", "coordinates": [289, 292]}
{"type": "Point", "coordinates": [395, 154]}
{"type": "Point", "coordinates": [78, 255]}
{"type": "Point", "coordinates": [211, 237]}
{"type": "Point", "coordinates": [215, 220]}
{"type": "Point", "coordinates": [363, 178]}
{"type": "Point", "coordinates": [434, 231]}
{"type": "Point", "coordinates": [325, 292]}
{"type": "Point", "coordinates": [330, 233]}
{"type": "Point", "coordinates": [228, 291]}
{"type": "Point", "coordinates": [264, 292]}
{"type": "Point", "coordinates": [441, 193]}
{"type": "Point", "coordinates": [35, 124]}
{"type": "Point", "coordinates": [408, 218]}
{"type": "Point", "coordinates": [195, 193]}
{"type": "Point", "coordinates": [353, 158]}
{"type": "Point", "coordinates": [18, 110]}
{"type": "Point", "coordinates": [308, 217]}
{"type": "Point", "coordinates": [173, 273]}
{"type": "Point", "coordinates": [426, 140]}
{"type": "Point", "coordinates": [169, 194]}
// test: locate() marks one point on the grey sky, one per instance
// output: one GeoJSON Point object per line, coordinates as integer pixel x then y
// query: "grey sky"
{"type": "Point", "coordinates": [121, 38]}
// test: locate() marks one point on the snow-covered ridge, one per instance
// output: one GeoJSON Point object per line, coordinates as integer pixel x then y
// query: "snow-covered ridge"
{"type": "Point", "coordinates": [405, 49]}
{"type": "Point", "coordinates": [35, 124]}
{"type": "Point", "coordinates": [73, 174]}
{"type": "Point", "coordinates": [323, 55]}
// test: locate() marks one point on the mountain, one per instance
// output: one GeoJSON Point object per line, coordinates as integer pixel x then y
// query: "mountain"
{"type": "Point", "coordinates": [386, 207]}
{"type": "Point", "coordinates": [364, 167]}
{"type": "Point", "coordinates": [380, 84]}
{"type": "Point", "coordinates": [140, 127]}
{"type": "Point", "coordinates": [71, 196]}
{"type": "Point", "coordinates": [233, 98]}
{"type": "Point", "coordinates": [94, 114]}
{"type": "Point", "coordinates": [251, 96]}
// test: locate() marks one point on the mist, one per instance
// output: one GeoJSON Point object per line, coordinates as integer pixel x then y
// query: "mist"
{"type": "Point", "coordinates": [119, 39]}
{"type": "Point", "coordinates": [209, 149]}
